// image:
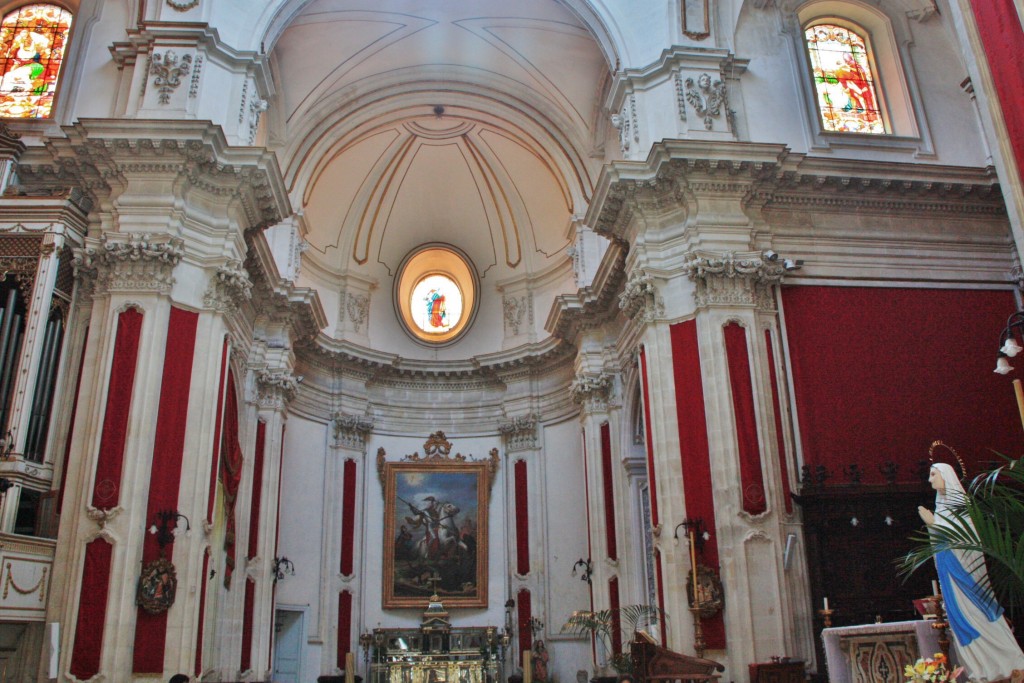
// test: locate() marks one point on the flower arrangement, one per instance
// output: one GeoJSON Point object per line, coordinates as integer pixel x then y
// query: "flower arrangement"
{"type": "Point", "coordinates": [931, 670]}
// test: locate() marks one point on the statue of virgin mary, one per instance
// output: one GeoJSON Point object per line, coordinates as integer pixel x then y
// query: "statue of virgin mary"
{"type": "Point", "coordinates": [984, 644]}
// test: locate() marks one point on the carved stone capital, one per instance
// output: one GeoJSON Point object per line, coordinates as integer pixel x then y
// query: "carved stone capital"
{"type": "Point", "coordinates": [350, 431]}
{"type": "Point", "coordinates": [128, 262]}
{"type": "Point", "coordinates": [639, 297]}
{"type": "Point", "coordinates": [520, 432]}
{"type": "Point", "coordinates": [592, 391]}
{"type": "Point", "coordinates": [275, 388]}
{"type": "Point", "coordinates": [735, 278]}
{"type": "Point", "coordinates": [229, 287]}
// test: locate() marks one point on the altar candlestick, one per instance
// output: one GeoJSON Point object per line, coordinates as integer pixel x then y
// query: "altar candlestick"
{"type": "Point", "coordinates": [935, 587]}
{"type": "Point", "coordinates": [826, 604]}
{"type": "Point", "coordinates": [350, 668]}
{"type": "Point", "coordinates": [527, 666]}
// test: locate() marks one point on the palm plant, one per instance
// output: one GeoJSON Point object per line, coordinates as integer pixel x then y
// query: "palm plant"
{"type": "Point", "coordinates": [601, 625]}
{"type": "Point", "coordinates": [988, 520]}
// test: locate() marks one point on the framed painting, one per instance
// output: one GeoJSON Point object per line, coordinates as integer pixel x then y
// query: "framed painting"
{"type": "Point", "coordinates": [435, 526]}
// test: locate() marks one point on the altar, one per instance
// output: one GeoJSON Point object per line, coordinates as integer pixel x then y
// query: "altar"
{"type": "Point", "coordinates": [877, 652]}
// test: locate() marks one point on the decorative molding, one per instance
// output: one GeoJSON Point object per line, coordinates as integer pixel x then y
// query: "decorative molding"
{"type": "Point", "coordinates": [591, 391]}
{"type": "Point", "coordinates": [437, 450]}
{"type": "Point", "coordinates": [197, 69]}
{"type": "Point", "coordinates": [357, 306]}
{"type": "Point", "coordinates": [167, 72]}
{"type": "Point", "coordinates": [275, 388]}
{"type": "Point", "coordinates": [734, 278]}
{"type": "Point", "coordinates": [517, 310]}
{"type": "Point", "coordinates": [101, 516]}
{"type": "Point", "coordinates": [39, 586]}
{"type": "Point", "coordinates": [680, 95]}
{"type": "Point", "coordinates": [639, 298]}
{"type": "Point", "coordinates": [520, 432]}
{"type": "Point", "coordinates": [229, 287]}
{"type": "Point", "coordinates": [182, 5]}
{"type": "Point", "coordinates": [708, 99]}
{"type": "Point", "coordinates": [350, 431]}
{"type": "Point", "coordinates": [128, 262]}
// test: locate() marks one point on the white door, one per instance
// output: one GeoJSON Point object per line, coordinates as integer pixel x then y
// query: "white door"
{"type": "Point", "coordinates": [287, 645]}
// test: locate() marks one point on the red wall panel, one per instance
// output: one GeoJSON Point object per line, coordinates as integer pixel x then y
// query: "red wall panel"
{"type": "Point", "coordinates": [348, 517]}
{"type": "Point", "coordinates": [608, 490]}
{"type": "Point", "coordinates": [522, 499]}
{"type": "Point", "coordinates": [344, 627]}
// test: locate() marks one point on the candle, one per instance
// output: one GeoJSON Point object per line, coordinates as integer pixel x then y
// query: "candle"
{"type": "Point", "coordinates": [935, 587]}
{"type": "Point", "coordinates": [527, 666]}
{"type": "Point", "coordinates": [350, 668]}
{"type": "Point", "coordinates": [1019, 391]}
{"type": "Point", "coordinates": [826, 604]}
{"type": "Point", "coordinates": [693, 565]}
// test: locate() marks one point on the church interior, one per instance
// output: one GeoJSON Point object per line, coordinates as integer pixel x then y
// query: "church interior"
{"type": "Point", "coordinates": [474, 341]}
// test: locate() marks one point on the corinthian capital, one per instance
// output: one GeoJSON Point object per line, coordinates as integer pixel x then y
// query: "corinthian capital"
{"type": "Point", "coordinates": [129, 262]}
{"type": "Point", "coordinates": [275, 388]}
{"type": "Point", "coordinates": [350, 431]}
{"type": "Point", "coordinates": [735, 278]}
{"type": "Point", "coordinates": [639, 297]}
{"type": "Point", "coordinates": [229, 287]}
{"type": "Point", "coordinates": [592, 391]}
{"type": "Point", "coordinates": [520, 432]}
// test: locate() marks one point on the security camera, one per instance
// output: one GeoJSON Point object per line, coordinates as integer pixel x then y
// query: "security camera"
{"type": "Point", "coordinates": [770, 256]}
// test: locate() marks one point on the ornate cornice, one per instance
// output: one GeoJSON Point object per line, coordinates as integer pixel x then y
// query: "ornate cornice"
{"type": "Point", "coordinates": [128, 262]}
{"type": "Point", "coordinates": [350, 431]}
{"type": "Point", "coordinates": [734, 278]}
{"type": "Point", "coordinates": [770, 176]}
{"type": "Point", "coordinates": [229, 287]}
{"type": "Point", "coordinates": [592, 391]}
{"type": "Point", "coordinates": [279, 299]}
{"type": "Point", "coordinates": [593, 305]}
{"type": "Point", "coordinates": [275, 388]}
{"type": "Point", "coordinates": [640, 299]}
{"type": "Point", "coordinates": [520, 432]}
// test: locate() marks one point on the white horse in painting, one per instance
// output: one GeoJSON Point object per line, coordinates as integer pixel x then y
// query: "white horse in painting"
{"type": "Point", "coordinates": [442, 538]}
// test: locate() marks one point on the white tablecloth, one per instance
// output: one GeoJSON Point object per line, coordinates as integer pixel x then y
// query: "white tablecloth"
{"type": "Point", "coordinates": [839, 664]}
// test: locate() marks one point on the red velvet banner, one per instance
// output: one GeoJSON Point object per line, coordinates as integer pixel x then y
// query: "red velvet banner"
{"type": "Point", "coordinates": [1002, 39]}
{"type": "Point", "coordinates": [71, 425]}
{"type": "Point", "coordinates": [777, 411]}
{"type": "Point", "coordinates": [613, 603]}
{"type": "Point", "coordinates": [344, 627]}
{"type": "Point", "coordinates": [203, 580]}
{"type": "Point", "coordinates": [165, 474]}
{"type": "Point", "coordinates": [652, 483]}
{"type": "Point", "coordinates": [663, 631]}
{"type": "Point", "coordinates": [217, 426]}
{"type": "Point", "coordinates": [92, 610]}
{"type": "Point", "coordinates": [106, 491]}
{"type": "Point", "coordinates": [878, 374]}
{"type": "Point", "coordinates": [522, 519]}
{"type": "Point", "coordinates": [257, 489]}
{"type": "Point", "coordinates": [525, 607]}
{"type": "Point", "coordinates": [751, 475]}
{"type": "Point", "coordinates": [609, 492]}
{"type": "Point", "coordinates": [230, 475]}
{"type": "Point", "coordinates": [245, 662]}
{"type": "Point", "coordinates": [348, 518]}
{"type": "Point", "coordinates": [695, 452]}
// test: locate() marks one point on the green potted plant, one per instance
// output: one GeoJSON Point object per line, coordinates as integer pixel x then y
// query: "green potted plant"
{"type": "Point", "coordinates": [600, 625]}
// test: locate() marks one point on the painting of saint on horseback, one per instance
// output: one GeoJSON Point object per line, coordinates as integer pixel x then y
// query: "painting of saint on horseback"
{"type": "Point", "coordinates": [435, 533]}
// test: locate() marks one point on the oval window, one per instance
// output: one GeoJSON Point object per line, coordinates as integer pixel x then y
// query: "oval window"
{"type": "Point", "coordinates": [435, 294]}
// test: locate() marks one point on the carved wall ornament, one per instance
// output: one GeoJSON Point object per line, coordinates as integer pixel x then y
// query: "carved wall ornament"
{"type": "Point", "coordinates": [640, 297]}
{"type": "Point", "coordinates": [437, 450]}
{"type": "Point", "coordinates": [168, 71]}
{"type": "Point", "coordinates": [256, 108]}
{"type": "Point", "coordinates": [626, 123]}
{"type": "Point", "coordinates": [520, 432]}
{"type": "Point", "coordinates": [350, 431]}
{"type": "Point", "coordinates": [193, 87]}
{"type": "Point", "coordinates": [735, 278]}
{"type": "Point", "coordinates": [40, 585]}
{"type": "Point", "coordinates": [229, 287]}
{"type": "Point", "coordinates": [517, 309]}
{"type": "Point", "coordinates": [182, 5]}
{"type": "Point", "coordinates": [592, 391]}
{"type": "Point", "coordinates": [129, 262]}
{"type": "Point", "coordinates": [708, 99]}
{"type": "Point", "coordinates": [680, 95]}
{"type": "Point", "coordinates": [358, 308]}
{"type": "Point", "coordinates": [275, 388]}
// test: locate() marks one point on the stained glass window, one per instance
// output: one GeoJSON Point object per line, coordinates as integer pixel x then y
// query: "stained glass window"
{"type": "Point", "coordinates": [843, 79]}
{"type": "Point", "coordinates": [32, 43]}
{"type": "Point", "coordinates": [436, 304]}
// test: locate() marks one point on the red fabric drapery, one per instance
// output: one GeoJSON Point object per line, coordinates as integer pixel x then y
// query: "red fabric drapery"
{"type": "Point", "coordinates": [92, 610]}
{"type": "Point", "coordinates": [348, 517]}
{"type": "Point", "coordinates": [751, 475]}
{"type": "Point", "coordinates": [256, 500]}
{"type": "Point", "coordinates": [245, 663]}
{"type": "Point", "coordinates": [608, 490]}
{"type": "Point", "coordinates": [218, 425]}
{"type": "Point", "coordinates": [777, 410]}
{"type": "Point", "coordinates": [613, 603]}
{"type": "Point", "coordinates": [522, 518]}
{"type": "Point", "coordinates": [652, 485]}
{"type": "Point", "coordinates": [230, 474]}
{"type": "Point", "coordinates": [525, 613]}
{"type": "Point", "coordinates": [344, 627]}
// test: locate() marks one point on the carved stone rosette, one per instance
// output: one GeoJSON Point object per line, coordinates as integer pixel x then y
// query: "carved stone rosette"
{"type": "Point", "coordinates": [229, 287]}
{"type": "Point", "coordinates": [592, 391]}
{"type": "Point", "coordinates": [128, 262]}
{"type": "Point", "coordinates": [639, 298]}
{"type": "Point", "coordinates": [734, 278]}
{"type": "Point", "coordinates": [520, 433]}
{"type": "Point", "coordinates": [275, 388]}
{"type": "Point", "coordinates": [350, 431]}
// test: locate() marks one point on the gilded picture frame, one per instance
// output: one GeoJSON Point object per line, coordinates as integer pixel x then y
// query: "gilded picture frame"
{"type": "Point", "coordinates": [435, 527]}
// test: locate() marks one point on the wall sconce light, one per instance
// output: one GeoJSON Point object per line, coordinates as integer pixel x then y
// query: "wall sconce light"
{"type": "Point", "coordinates": [282, 567]}
{"type": "Point", "coordinates": [166, 527]}
{"type": "Point", "coordinates": [7, 445]}
{"type": "Point", "coordinates": [700, 535]}
{"type": "Point", "coordinates": [1009, 347]}
{"type": "Point", "coordinates": [5, 484]}
{"type": "Point", "coordinates": [536, 626]}
{"type": "Point", "coordinates": [586, 567]}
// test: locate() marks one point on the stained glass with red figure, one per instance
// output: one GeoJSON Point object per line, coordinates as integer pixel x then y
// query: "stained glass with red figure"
{"type": "Point", "coordinates": [33, 39]}
{"type": "Point", "coordinates": [843, 80]}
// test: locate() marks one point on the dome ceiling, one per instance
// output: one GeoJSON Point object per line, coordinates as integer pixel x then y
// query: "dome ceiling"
{"type": "Point", "coordinates": [378, 167]}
